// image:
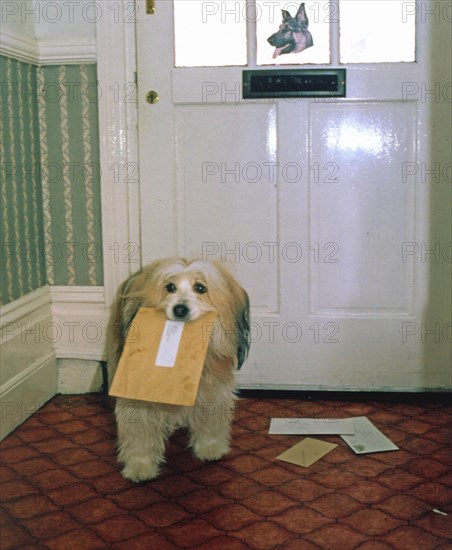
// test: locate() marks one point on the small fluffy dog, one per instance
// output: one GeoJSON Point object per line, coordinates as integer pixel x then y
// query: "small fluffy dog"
{"type": "Point", "coordinates": [184, 290]}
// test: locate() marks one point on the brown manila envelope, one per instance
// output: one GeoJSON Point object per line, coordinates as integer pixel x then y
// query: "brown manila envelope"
{"type": "Point", "coordinates": [162, 360]}
{"type": "Point", "coordinates": [307, 452]}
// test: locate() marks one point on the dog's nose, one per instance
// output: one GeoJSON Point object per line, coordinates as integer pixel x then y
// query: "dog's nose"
{"type": "Point", "coordinates": [180, 311]}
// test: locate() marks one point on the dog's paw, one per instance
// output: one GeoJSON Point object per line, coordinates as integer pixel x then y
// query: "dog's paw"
{"type": "Point", "coordinates": [210, 450]}
{"type": "Point", "coordinates": [140, 470]}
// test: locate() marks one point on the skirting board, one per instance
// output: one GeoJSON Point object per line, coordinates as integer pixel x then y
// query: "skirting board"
{"type": "Point", "coordinates": [80, 319]}
{"type": "Point", "coordinates": [68, 320]}
{"type": "Point", "coordinates": [28, 370]}
{"type": "Point", "coordinates": [51, 341]}
{"type": "Point", "coordinates": [26, 393]}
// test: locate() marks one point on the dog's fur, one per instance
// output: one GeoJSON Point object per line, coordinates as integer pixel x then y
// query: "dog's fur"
{"type": "Point", "coordinates": [184, 290]}
{"type": "Point", "coordinates": [293, 35]}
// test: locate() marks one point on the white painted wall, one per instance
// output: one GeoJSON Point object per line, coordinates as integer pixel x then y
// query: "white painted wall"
{"type": "Point", "coordinates": [51, 20]}
{"type": "Point", "coordinates": [74, 20]}
{"type": "Point", "coordinates": [14, 20]}
{"type": "Point", "coordinates": [49, 32]}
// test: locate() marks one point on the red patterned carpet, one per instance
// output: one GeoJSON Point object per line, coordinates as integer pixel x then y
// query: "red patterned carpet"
{"type": "Point", "coordinates": [62, 489]}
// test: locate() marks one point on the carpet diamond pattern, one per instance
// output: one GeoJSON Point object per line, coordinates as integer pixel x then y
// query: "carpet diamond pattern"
{"type": "Point", "coordinates": [62, 487]}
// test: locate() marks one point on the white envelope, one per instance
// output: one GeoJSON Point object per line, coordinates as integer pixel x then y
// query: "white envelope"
{"type": "Point", "coordinates": [368, 438]}
{"type": "Point", "coordinates": [311, 426]}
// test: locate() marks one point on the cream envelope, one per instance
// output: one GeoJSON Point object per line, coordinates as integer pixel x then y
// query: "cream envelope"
{"type": "Point", "coordinates": [162, 360]}
{"type": "Point", "coordinates": [306, 452]}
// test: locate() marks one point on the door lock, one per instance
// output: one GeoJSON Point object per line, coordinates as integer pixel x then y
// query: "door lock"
{"type": "Point", "coordinates": [152, 97]}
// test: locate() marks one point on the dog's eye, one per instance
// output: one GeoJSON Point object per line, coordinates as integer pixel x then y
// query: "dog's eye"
{"type": "Point", "coordinates": [199, 288]}
{"type": "Point", "coordinates": [170, 287]}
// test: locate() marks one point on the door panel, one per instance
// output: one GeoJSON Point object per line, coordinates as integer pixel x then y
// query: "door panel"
{"type": "Point", "coordinates": [363, 204]}
{"type": "Point", "coordinates": [218, 215]}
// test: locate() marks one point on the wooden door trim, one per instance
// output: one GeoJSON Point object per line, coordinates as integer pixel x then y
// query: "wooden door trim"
{"type": "Point", "coordinates": [118, 142]}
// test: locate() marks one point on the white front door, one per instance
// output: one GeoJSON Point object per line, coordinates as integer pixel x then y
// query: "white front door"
{"type": "Point", "coordinates": [315, 203]}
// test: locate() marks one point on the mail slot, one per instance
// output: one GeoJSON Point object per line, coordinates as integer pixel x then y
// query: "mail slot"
{"type": "Point", "coordinates": [279, 83]}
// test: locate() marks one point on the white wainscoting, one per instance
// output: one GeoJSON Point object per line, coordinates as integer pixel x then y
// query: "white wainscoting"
{"type": "Point", "coordinates": [28, 371]}
{"type": "Point", "coordinates": [52, 341]}
{"type": "Point", "coordinates": [80, 317]}
{"type": "Point", "coordinates": [80, 321]}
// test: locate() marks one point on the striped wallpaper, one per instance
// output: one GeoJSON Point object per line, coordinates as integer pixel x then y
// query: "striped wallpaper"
{"type": "Point", "coordinates": [70, 174]}
{"type": "Point", "coordinates": [51, 225]}
{"type": "Point", "coordinates": [22, 241]}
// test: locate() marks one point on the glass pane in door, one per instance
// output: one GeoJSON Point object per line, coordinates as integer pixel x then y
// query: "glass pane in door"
{"type": "Point", "coordinates": [209, 33]}
{"type": "Point", "coordinates": [377, 31]}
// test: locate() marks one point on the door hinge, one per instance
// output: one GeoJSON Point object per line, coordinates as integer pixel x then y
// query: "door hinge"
{"type": "Point", "coordinates": [150, 7]}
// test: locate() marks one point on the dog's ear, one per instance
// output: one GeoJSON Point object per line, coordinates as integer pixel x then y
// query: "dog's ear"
{"type": "Point", "coordinates": [124, 310]}
{"type": "Point", "coordinates": [238, 311]}
{"type": "Point", "coordinates": [243, 330]}
{"type": "Point", "coordinates": [285, 15]}
{"type": "Point", "coordinates": [302, 17]}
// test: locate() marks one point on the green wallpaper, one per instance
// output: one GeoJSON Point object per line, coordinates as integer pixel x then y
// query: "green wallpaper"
{"type": "Point", "coordinates": [51, 225]}
{"type": "Point", "coordinates": [22, 239]}
{"type": "Point", "coordinates": [70, 174]}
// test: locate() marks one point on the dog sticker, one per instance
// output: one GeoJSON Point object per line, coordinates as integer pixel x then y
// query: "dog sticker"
{"type": "Point", "coordinates": [293, 35]}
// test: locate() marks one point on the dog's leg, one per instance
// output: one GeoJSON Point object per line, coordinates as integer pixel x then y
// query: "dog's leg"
{"type": "Point", "coordinates": [210, 428]}
{"type": "Point", "coordinates": [142, 435]}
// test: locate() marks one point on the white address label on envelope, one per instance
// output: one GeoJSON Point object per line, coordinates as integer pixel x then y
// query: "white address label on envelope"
{"type": "Point", "coordinates": [169, 344]}
{"type": "Point", "coordinates": [368, 438]}
{"type": "Point", "coordinates": [311, 426]}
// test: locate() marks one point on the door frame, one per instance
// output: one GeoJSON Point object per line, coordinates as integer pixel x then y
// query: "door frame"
{"type": "Point", "coordinates": [118, 150]}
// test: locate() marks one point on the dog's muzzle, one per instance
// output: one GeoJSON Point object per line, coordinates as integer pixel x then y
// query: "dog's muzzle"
{"type": "Point", "coordinates": [180, 311]}
{"type": "Point", "coordinates": [272, 40]}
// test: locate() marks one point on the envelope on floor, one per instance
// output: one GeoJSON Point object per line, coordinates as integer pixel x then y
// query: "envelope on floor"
{"type": "Point", "coordinates": [368, 438]}
{"type": "Point", "coordinates": [162, 360]}
{"type": "Point", "coordinates": [307, 452]}
{"type": "Point", "coordinates": [311, 426]}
